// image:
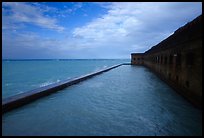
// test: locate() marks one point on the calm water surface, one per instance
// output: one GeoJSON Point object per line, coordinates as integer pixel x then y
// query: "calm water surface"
{"type": "Point", "coordinates": [128, 100]}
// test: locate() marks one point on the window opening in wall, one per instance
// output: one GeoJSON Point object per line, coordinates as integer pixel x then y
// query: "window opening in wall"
{"type": "Point", "coordinates": [187, 83]}
{"type": "Point", "coordinates": [157, 59]}
{"type": "Point", "coordinates": [161, 59]}
{"type": "Point", "coordinates": [177, 78]}
{"type": "Point", "coordinates": [165, 60]}
{"type": "Point", "coordinates": [134, 59]}
{"type": "Point", "coordinates": [169, 75]}
{"type": "Point", "coordinates": [170, 59]}
{"type": "Point", "coordinates": [178, 59]}
{"type": "Point", "coordinates": [190, 59]}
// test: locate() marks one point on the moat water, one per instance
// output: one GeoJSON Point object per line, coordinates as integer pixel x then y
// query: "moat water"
{"type": "Point", "coordinates": [128, 100]}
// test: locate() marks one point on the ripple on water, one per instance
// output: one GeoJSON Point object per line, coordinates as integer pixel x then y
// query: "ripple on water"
{"type": "Point", "coordinates": [124, 101]}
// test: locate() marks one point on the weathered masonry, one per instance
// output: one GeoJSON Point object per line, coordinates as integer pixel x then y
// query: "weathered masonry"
{"type": "Point", "coordinates": [178, 60]}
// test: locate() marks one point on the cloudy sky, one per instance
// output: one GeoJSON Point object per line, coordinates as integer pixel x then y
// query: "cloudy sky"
{"type": "Point", "coordinates": [78, 30]}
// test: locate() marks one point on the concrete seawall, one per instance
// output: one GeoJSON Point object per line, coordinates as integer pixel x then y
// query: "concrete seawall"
{"type": "Point", "coordinates": [27, 97]}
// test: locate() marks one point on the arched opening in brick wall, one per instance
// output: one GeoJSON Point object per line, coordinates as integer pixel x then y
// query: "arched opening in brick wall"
{"type": "Point", "coordinates": [170, 59]}
{"type": "Point", "coordinates": [190, 57]}
{"type": "Point", "coordinates": [178, 59]}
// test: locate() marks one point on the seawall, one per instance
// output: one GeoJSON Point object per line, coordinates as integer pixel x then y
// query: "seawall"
{"type": "Point", "coordinates": [27, 97]}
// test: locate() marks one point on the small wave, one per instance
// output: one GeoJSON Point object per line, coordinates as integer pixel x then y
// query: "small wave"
{"type": "Point", "coordinates": [48, 83]}
{"type": "Point", "coordinates": [19, 92]}
{"type": "Point", "coordinates": [97, 69]}
{"type": "Point", "coordinates": [8, 84]}
{"type": "Point", "coordinates": [104, 66]}
{"type": "Point", "coordinates": [96, 85]}
{"type": "Point", "coordinates": [45, 84]}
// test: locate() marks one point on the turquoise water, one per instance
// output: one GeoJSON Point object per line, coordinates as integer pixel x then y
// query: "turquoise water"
{"type": "Point", "coordinates": [128, 100]}
{"type": "Point", "coordinates": [22, 76]}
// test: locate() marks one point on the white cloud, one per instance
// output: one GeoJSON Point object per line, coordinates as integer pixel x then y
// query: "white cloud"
{"type": "Point", "coordinates": [19, 12]}
{"type": "Point", "coordinates": [141, 24]}
{"type": "Point", "coordinates": [125, 28]}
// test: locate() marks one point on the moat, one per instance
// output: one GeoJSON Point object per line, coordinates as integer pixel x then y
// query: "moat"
{"type": "Point", "coordinates": [128, 100]}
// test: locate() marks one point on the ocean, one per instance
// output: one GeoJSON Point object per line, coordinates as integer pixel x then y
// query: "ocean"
{"type": "Point", "coordinates": [19, 76]}
{"type": "Point", "coordinates": [125, 101]}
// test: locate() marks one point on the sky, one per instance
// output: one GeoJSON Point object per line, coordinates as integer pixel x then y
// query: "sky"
{"type": "Point", "coordinates": [89, 30]}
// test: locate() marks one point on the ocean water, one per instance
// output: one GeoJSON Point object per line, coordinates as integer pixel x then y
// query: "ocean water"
{"type": "Point", "coordinates": [19, 76]}
{"type": "Point", "coordinates": [128, 100]}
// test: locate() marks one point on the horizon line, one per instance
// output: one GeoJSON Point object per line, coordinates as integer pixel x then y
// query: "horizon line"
{"type": "Point", "coordinates": [63, 58]}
